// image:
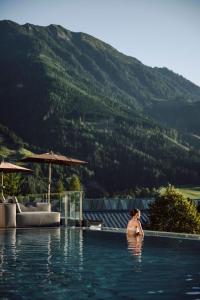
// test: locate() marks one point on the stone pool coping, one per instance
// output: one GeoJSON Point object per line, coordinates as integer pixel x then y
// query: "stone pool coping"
{"type": "Point", "coordinates": [173, 234]}
{"type": "Point", "coordinates": [188, 236]}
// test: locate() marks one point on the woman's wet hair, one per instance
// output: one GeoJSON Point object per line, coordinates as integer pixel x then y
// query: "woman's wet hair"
{"type": "Point", "coordinates": [134, 212]}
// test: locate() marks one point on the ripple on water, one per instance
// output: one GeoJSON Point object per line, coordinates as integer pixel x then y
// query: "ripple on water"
{"type": "Point", "coordinates": [192, 293]}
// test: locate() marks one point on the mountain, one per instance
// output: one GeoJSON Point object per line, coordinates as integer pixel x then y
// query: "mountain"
{"type": "Point", "coordinates": [77, 95]}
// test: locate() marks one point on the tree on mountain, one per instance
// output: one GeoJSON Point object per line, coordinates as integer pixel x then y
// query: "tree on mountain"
{"type": "Point", "coordinates": [172, 212]}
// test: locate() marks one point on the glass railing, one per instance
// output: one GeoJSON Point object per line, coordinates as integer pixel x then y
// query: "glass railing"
{"type": "Point", "coordinates": [122, 204]}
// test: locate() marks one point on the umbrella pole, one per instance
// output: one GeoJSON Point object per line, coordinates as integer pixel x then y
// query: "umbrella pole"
{"type": "Point", "coordinates": [2, 184]}
{"type": "Point", "coordinates": [49, 184]}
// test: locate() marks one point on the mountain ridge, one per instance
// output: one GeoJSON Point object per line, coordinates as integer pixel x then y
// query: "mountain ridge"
{"type": "Point", "coordinates": [78, 95]}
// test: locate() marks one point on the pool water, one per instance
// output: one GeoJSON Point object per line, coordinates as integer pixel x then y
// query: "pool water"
{"type": "Point", "coordinates": [76, 264]}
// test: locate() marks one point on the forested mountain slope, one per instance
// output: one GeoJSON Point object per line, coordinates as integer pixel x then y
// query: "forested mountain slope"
{"type": "Point", "coordinates": [77, 95]}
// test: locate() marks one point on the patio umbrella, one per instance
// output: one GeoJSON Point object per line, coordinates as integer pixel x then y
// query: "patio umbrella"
{"type": "Point", "coordinates": [6, 167]}
{"type": "Point", "coordinates": [52, 158]}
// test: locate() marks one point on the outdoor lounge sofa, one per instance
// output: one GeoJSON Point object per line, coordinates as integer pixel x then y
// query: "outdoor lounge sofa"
{"type": "Point", "coordinates": [41, 215]}
{"type": "Point", "coordinates": [14, 214]}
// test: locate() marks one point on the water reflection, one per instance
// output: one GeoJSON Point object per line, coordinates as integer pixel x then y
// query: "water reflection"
{"type": "Point", "coordinates": [72, 241]}
{"type": "Point", "coordinates": [135, 248]}
{"type": "Point", "coordinates": [7, 236]}
{"type": "Point", "coordinates": [135, 244]}
{"type": "Point", "coordinates": [19, 246]}
{"type": "Point", "coordinates": [49, 244]}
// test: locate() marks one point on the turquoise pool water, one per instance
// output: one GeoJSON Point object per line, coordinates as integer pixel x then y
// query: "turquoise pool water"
{"type": "Point", "coordinates": [75, 264]}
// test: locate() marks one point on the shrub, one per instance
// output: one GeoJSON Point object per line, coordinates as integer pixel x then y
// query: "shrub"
{"type": "Point", "coordinates": [171, 211]}
{"type": "Point", "coordinates": [12, 183]}
{"type": "Point", "coordinates": [74, 183]}
{"type": "Point", "coordinates": [59, 186]}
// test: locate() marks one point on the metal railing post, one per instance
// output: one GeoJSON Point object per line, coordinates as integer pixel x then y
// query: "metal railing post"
{"type": "Point", "coordinates": [66, 209]}
{"type": "Point", "coordinates": [81, 208]}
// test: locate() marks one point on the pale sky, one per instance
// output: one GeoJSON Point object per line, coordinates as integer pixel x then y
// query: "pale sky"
{"type": "Point", "coordinates": [157, 32]}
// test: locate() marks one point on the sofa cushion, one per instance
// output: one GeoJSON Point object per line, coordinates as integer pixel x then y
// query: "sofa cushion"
{"type": "Point", "coordinates": [43, 206]}
{"type": "Point", "coordinates": [39, 206]}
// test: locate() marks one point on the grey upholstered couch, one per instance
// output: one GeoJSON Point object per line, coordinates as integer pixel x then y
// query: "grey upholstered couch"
{"type": "Point", "coordinates": [15, 214]}
{"type": "Point", "coordinates": [40, 215]}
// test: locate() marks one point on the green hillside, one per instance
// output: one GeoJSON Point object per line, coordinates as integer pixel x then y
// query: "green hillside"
{"type": "Point", "coordinates": [10, 145]}
{"type": "Point", "coordinates": [192, 192]}
{"type": "Point", "coordinates": [73, 93]}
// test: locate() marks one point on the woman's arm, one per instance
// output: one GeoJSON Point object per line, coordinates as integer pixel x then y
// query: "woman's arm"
{"type": "Point", "coordinates": [129, 229]}
{"type": "Point", "coordinates": [141, 232]}
{"type": "Point", "coordinates": [128, 226]}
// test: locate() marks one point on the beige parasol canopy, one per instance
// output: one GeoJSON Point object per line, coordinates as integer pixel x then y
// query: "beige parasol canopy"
{"type": "Point", "coordinates": [52, 158]}
{"type": "Point", "coordinates": [6, 167]}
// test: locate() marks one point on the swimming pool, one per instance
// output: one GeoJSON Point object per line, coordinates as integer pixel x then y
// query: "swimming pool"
{"type": "Point", "coordinates": [76, 264]}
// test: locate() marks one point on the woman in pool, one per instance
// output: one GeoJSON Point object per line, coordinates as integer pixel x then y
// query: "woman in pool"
{"type": "Point", "coordinates": [134, 227]}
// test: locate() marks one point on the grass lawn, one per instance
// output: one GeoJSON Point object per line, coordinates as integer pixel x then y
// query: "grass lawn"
{"type": "Point", "coordinates": [192, 192]}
